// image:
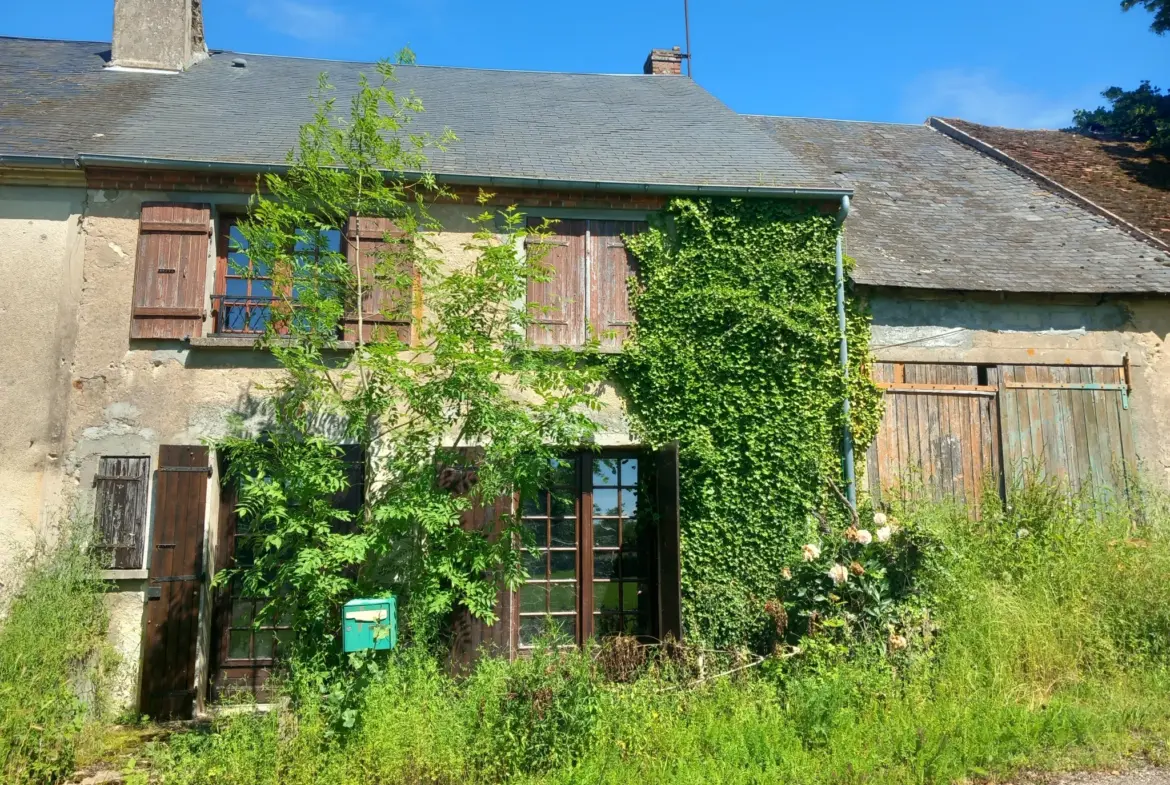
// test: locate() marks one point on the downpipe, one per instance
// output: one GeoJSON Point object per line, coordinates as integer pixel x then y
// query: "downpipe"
{"type": "Point", "coordinates": [847, 446]}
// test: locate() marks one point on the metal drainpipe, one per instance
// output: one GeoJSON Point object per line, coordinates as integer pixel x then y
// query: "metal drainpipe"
{"type": "Point", "coordinates": [850, 479]}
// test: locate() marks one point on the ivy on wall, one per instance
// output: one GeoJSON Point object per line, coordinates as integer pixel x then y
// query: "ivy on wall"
{"type": "Point", "coordinates": [735, 354]}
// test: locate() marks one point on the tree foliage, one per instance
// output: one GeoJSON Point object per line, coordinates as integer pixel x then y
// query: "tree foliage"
{"type": "Point", "coordinates": [464, 380]}
{"type": "Point", "coordinates": [1159, 8]}
{"type": "Point", "coordinates": [1141, 115]}
{"type": "Point", "coordinates": [735, 354]}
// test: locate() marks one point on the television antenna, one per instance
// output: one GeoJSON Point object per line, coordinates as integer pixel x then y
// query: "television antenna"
{"type": "Point", "coordinates": [687, 29]}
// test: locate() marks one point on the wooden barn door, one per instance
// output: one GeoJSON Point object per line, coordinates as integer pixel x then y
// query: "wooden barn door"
{"type": "Point", "coordinates": [940, 433]}
{"type": "Point", "coordinates": [176, 577]}
{"type": "Point", "coordinates": [1070, 423]}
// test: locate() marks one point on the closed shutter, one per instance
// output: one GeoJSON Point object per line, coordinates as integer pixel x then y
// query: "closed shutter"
{"type": "Point", "coordinates": [171, 270]}
{"type": "Point", "coordinates": [120, 511]}
{"type": "Point", "coordinates": [611, 268]}
{"type": "Point", "coordinates": [176, 578]}
{"type": "Point", "coordinates": [669, 544]}
{"type": "Point", "coordinates": [386, 307]}
{"type": "Point", "coordinates": [557, 306]}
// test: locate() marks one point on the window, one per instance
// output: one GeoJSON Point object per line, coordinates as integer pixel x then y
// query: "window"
{"type": "Point", "coordinates": [244, 294]}
{"type": "Point", "coordinates": [591, 566]}
{"type": "Point", "coordinates": [588, 290]}
{"type": "Point", "coordinates": [120, 511]}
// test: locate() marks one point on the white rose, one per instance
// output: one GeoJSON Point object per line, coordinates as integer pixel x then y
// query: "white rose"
{"type": "Point", "coordinates": [864, 537]}
{"type": "Point", "coordinates": [839, 573]}
{"type": "Point", "coordinates": [810, 552]}
{"type": "Point", "coordinates": [884, 534]}
{"type": "Point", "coordinates": [879, 519]}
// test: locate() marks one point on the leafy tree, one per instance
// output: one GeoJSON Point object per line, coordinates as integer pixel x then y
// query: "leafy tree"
{"type": "Point", "coordinates": [415, 404]}
{"type": "Point", "coordinates": [1141, 115]}
{"type": "Point", "coordinates": [1159, 8]}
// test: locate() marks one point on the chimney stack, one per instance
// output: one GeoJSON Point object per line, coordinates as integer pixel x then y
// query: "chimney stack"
{"type": "Point", "coordinates": [664, 62]}
{"type": "Point", "coordinates": [165, 35]}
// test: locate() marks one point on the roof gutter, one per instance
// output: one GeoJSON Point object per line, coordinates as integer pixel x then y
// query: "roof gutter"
{"type": "Point", "coordinates": [136, 162]}
{"type": "Point", "coordinates": [842, 325]}
{"type": "Point", "coordinates": [41, 161]}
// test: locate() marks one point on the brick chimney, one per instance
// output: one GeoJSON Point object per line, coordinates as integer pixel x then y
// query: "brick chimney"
{"type": "Point", "coordinates": [165, 35]}
{"type": "Point", "coordinates": [664, 62]}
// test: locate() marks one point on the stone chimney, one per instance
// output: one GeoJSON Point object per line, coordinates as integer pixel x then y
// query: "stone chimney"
{"type": "Point", "coordinates": [165, 35]}
{"type": "Point", "coordinates": [664, 61]}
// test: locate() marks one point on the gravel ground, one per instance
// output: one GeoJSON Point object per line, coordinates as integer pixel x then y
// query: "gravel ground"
{"type": "Point", "coordinates": [1148, 775]}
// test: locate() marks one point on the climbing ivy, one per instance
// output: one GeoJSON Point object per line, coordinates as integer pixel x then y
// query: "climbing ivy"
{"type": "Point", "coordinates": [735, 355]}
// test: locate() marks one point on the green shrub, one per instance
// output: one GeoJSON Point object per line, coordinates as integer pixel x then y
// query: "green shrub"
{"type": "Point", "coordinates": [51, 650]}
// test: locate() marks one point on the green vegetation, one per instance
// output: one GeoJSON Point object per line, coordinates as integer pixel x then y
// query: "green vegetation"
{"type": "Point", "coordinates": [1041, 639]}
{"type": "Point", "coordinates": [735, 355]}
{"type": "Point", "coordinates": [52, 652]}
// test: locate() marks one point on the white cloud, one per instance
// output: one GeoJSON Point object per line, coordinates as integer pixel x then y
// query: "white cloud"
{"type": "Point", "coordinates": [982, 96]}
{"type": "Point", "coordinates": [304, 19]}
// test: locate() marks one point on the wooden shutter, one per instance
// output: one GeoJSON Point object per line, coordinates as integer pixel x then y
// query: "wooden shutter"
{"type": "Point", "coordinates": [176, 575]}
{"type": "Point", "coordinates": [386, 309]}
{"type": "Point", "coordinates": [669, 544]}
{"type": "Point", "coordinates": [120, 511]}
{"type": "Point", "coordinates": [171, 270]}
{"type": "Point", "coordinates": [611, 266]}
{"type": "Point", "coordinates": [557, 306]}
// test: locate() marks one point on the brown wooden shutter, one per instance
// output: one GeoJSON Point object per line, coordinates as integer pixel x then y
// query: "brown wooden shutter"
{"type": "Point", "coordinates": [611, 267]}
{"type": "Point", "coordinates": [470, 636]}
{"type": "Point", "coordinates": [386, 309]}
{"type": "Point", "coordinates": [176, 575]}
{"type": "Point", "coordinates": [171, 270]}
{"type": "Point", "coordinates": [669, 544]}
{"type": "Point", "coordinates": [559, 318]}
{"type": "Point", "coordinates": [120, 511]}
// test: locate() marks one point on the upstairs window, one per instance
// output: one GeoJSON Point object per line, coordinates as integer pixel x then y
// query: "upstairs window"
{"type": "Point", "coordinates": [587, 293]}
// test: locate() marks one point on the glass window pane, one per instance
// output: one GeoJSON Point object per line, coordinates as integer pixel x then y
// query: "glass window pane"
{"type": "Point", "coordinates": [564, 472]}
{"type": "Point", "coordinates": [234, 234]}
{"type": "Point", "coordinates": [261, 287]}
{"type": "Point", "coordinates": [532, 598]}
{"type": "Point", "coordinates": [237, 287]}
{"type": "Point", "coordinates": [564, 532]}
{"type": "Point", "coordinates": [605, 596]}
{"type": "Point", "coordinates": [631, 529]}
{"type": "Point", "coordinates": [631, 565]}
{"type": "Point", "coordinates": [629, 471]}
{"type": "Point", "coordinates": [632, 594]}
{"type": "Point", "coordinates": [534, 563]}
{"type": "Point", "coordinates": [562, 597]}
{"type": "Point", "coordinates": [568, 625]}
{"type": "Point", "coordinates": [241, 613]}
{"type": "Point", "coordinates": [605, 564]}
{"type": "Point", "coordinates": [605, 501]}
{"type": "Point", "coordinates": [332, 239]}
{"type": "Point", "coordinates": [264, 644]}
{"type": "Point", "coordinates": [605, 532]}
{"type": "Point", "coordinates": [607, 623]}
{"type": "Point", "coordinates": [538, 528]}
{"type": "Point", "coordinates": [257, 318]}
{"type": "Point", "coordinates": [532, 627]}
{"type": "Point", "coordinates": [239, 644]}
{"type": "Point", "coordinates": [629, 502]}
{"type": "Point", "coordinates": [535, 505]}
{"type": "Point", "coordinates": [605, 471]}
{"type": "Point", "coordinates": [563, 503]}
{"type": "Point", "coordinates": [564, 565]}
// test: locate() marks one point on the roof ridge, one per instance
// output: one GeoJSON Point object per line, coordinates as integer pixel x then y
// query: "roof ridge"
{"type": "Point", "coordinates": [974, 142]}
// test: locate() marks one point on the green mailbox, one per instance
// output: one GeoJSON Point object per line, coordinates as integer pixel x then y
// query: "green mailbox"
{"type": "Point", "coordinates": [369, 624]}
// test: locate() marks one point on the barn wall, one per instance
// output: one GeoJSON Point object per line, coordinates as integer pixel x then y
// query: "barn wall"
{"type": "Point", "coordinates": [920, 326]}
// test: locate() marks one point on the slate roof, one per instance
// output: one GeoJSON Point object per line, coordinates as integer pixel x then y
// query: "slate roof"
{"type": "Point", "coordinates": [57, 99]}
{"type": "Point", "coordinates": [929, 212]}
{"type": "Point", "coordinates": [1124, 177]}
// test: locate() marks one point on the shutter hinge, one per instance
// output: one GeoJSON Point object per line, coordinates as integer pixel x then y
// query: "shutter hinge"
{"type": "Point", "coordinates": [206, 469]}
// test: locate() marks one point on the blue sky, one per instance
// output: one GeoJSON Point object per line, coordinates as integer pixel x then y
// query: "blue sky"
{"type": "Point", "coordinates": [1023, 63]}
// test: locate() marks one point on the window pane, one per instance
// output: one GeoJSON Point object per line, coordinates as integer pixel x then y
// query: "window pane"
{"type": "Point", "coordinates": [607, 623]}
{"type": "Point", "coordinates": [605, 532]}
{"type": "Point", "coordinates": [564, 532]}
{"type": "Point", "coordinates": [605, 596]}
{"type": "Point", "coordinates": [562, 597]}
{"type": "Point", "coordinates": [605, 471]}
{"type": "Point", "coordinates": [539, 530]}
{"type": "Point", "coordinates": [629, 502]}
{"type": "Point", "coordinates": [562, 503]}
{"type": "Point", "coordinates": [532, 627]}
{"type": "Point", "coordinates": [631, 530]}
{"type": "Point", "coordinates": [264, 644]}
{"type": "Point", "coordinates": [604, 564]}
{"type": "Point", "coordinates": [532, 598]}
{"type": "Point", "coordinates": [631, 595]}
{"type": "Point", "coordinates": [605, 501]}
{"type": "Point", "coordinates": [535, 505]}
{"type": "Point", "coordinates": [534, 563]}
{"type": "Point", "coordinates": [237, 287]}
{"type": "Point", "coordinates": [239, 644]}
{"type": "Point", "coordinates": [241, 613]}
{"type": "Point", "coordinates": [564, 564]}
{"type": "Point", "coordinates": [235, 235]}
{"type": "Point", "coordinates": [631, 565]}
{"type": "Point", "coordinates": [564, 472]}
{"type": "Point", "coordinates": [332, 239]}
{"type": "Point", "coordinates": [629, 471]}
{"type": "Point", "coordinates": [261, 287]}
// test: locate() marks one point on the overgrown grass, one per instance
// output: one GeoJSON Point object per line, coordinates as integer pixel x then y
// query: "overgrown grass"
{"type": "Point", "coordinates": [1047, 645]}
{"type": "Point", "coordinates": [52, 656]}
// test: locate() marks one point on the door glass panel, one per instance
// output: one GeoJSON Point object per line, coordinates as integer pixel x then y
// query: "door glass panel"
{"type": "Point", "coordinates": [532, 598]}
{"type": "Point", "coordinates": [562, 597]}
{"type": "Point", "coordinates": [605, 532]}
{"type": "Point", "coordinates": [605, 501]}
{"type": "Point", "coordinates": [564, 532]}
{"type": "Point", "coordinates": [606, 596]}
{"type": "Point", "coordinates": [552, 519]}
{"type": "Point", "coordinates": [605, 564]}
{"type": "Point", "coordinates": [605, 472]}
{"type": "Point", "coordinates": [564, 565]}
